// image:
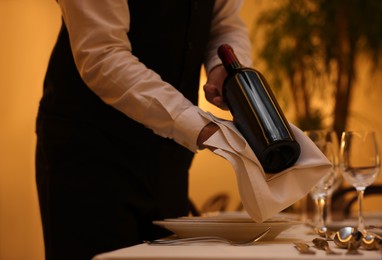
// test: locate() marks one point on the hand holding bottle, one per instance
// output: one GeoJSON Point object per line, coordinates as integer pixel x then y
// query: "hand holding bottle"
{"type": "Point", "coordinates": [213, 89]}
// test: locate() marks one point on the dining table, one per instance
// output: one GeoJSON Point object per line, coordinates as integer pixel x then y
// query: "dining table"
{"type": "Point", "coordinates": [280, 247]}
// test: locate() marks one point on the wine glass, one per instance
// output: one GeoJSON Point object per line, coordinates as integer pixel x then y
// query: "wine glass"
{"type": "Point", "coordinates": [327, 142]}
{"type": "Point", "coordinates": [359, 164]}
{"type": "Point", "coordinates": [338, 179]}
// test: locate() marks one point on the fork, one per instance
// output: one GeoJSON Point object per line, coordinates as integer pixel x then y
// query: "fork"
{"type": "Point", "coordinates": [181, 241]}
{"type": "Point", "coordinates": [323, 244]}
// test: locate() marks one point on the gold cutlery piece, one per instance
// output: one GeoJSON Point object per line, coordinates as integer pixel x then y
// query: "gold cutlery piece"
{"type": "Point", "coordinates": [304, 249]}
{"type": "Point", "coordinates": [322, 244]}
{"type": "Point", "coordinates": [348, 238]}
{"type": "Point", "coordinates": [353, 248]}
{"type": "Point", "coordinates": [371, 241]}
{"type": "Point", "coordinates": [374, 226]}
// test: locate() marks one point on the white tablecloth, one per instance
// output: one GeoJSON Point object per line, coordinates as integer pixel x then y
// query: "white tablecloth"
{"type": "Point", "coordinates": [280, 248]}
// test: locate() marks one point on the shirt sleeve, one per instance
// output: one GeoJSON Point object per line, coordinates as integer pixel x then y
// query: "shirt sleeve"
{"type": "Point", "coordinates": [102, 53]}
{"type": "Point", "coordinates": [228, 27]}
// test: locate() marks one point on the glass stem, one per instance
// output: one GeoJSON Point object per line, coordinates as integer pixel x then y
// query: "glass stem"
{"type": "Point", "coordinates": [361, 225]}
{"type": "Point", "coordinates": [328, 204]}
{"type": "Point", "coordinates": [320, 209]}
{"type": "Point", "coordinates": [303, 209]}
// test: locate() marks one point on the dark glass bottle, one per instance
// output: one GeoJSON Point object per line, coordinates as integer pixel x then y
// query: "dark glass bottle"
{"type": "Point", "coordinates": [257, 114]}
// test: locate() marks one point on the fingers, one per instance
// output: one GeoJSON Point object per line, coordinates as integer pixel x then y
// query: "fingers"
{"type": "Point", "coordinates": [214, 96]}
{"type": "Point", "coordinates": [213, 87]}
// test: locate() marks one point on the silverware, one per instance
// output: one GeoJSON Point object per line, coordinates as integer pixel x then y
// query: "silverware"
{"type": "Point", "coordinates": [379, 246]}
{"type": "Point", "coordinates": [181, 241]}
{"type": "Point", "coordinates": [371, 241]}
{"type": "Point", "coordinates": [348, 238]}
{"type": "Point", "coordinates": [304, 249]}
{"type": "Point", "coordinates": [321, 231]}
{"type": "Point", "coordinates": [353, 248]}
{"type": "Point", "coordinates": [343, 236]}
{"type": "Point", "coordinates": [374, 226]}
{"type": "Point", "coordinates": [322, 244]}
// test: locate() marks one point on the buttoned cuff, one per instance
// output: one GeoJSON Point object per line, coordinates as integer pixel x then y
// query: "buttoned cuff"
{"type": "Point", "coordinates": [187, 127]}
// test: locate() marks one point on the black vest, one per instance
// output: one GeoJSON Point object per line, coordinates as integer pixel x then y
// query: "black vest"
{"type": "Point", "coordinates": [168, 36]}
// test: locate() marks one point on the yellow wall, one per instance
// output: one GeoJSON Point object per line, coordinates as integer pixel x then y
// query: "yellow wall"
{"type": "Point", "coordinates": [28, 30]}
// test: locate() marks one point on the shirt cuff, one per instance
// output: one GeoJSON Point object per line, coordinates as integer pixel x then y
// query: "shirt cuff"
{"type": "Point", "coordinates": [187, 127]}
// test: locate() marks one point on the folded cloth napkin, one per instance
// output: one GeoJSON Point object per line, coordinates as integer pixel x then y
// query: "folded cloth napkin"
{"type": "Point", "coordinates": [264, 195]}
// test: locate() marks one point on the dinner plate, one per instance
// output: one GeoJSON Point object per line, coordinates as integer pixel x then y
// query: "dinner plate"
{"type": "Point", "coordinates": [232, 227]}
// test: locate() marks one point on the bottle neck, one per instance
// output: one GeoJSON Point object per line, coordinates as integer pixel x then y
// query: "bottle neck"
{"type": "Point", "coordinates": [228, 58]}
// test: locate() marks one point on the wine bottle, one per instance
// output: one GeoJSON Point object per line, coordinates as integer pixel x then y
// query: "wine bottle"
{"type": "Point", "coordinates": [257, 115]}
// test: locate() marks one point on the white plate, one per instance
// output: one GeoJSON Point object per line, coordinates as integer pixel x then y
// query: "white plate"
{"type": "Point", "coordinates": [238, 228]}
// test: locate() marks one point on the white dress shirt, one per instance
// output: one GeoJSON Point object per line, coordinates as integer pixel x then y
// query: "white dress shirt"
{"type": "Point", "coordinates": [103, 55]}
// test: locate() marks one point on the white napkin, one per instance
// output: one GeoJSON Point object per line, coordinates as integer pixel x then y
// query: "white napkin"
{"type": "Point", "coordinates": [264, 195]}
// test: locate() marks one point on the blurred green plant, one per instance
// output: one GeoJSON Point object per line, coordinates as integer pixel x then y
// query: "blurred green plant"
{"type": "Point", "coordinates": [312, 45]}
